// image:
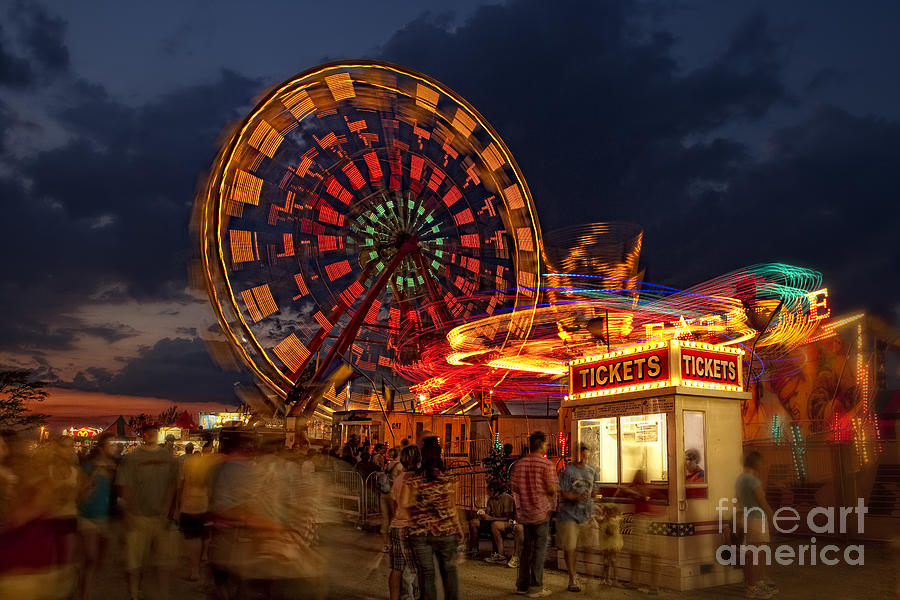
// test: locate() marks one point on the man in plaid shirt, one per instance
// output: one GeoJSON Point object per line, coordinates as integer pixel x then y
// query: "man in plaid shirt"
{"type": "Point", "coordinates": [534, 486]}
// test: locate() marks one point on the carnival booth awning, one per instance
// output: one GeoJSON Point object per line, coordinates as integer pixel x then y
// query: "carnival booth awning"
{"type": "Point", "coordinates": [120, 428]}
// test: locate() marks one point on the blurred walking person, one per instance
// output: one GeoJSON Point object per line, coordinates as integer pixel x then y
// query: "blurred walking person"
{"type": "Point", "coordinates": [755, 515]}
{"type": "Point", "coordinates": [65, 477]}
{"type": "Point", "coordinates": [643, 545]}
{"type": "Point", "coordinates": [193, 502]}
{"type": "Point", "coordinates": [534, 486]}
{"type": "Point", "coordinates": [400, 584]}
{"type": "Point", "coordinates": [575, 527]}
{"type": "Point", "coordinates": [265, 512]}
{"type": "Point", "coordinates": [147, 480]}
{"type": "Point", "coordinates": [34, 564]}
{"type": "Point", "coordinates": [434, 526]}
{"type": "Point", "coordinates": [610, 543]}
{"type": "Point", "coordinates": [385, 484]}
{"type": "Point", "coordinates": [96, 507]}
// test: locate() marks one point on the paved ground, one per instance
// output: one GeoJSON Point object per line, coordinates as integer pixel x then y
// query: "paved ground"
{"type": "Point", "coordinates": [360, 571]}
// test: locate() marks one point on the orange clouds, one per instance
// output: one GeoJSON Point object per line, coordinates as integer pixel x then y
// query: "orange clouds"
{"type": "Point", "coordinates": [73, 407]}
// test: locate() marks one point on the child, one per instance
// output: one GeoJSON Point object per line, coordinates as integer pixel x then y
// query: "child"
{"type": "Point", "coordinates": [609, 520]}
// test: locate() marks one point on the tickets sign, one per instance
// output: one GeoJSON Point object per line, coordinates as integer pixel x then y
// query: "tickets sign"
{"type": "Point", "coordinates": [714, 367]}
{"type": "Point", "coordinates": [656, 365]}
{"type": "Point", "coordinates": [620, 371]}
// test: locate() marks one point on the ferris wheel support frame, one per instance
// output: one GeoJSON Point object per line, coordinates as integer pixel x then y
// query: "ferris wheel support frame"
{"type": "Point", "coordinates": [305, 402]}
{"type": "Point", "coordinates": [333, 317]}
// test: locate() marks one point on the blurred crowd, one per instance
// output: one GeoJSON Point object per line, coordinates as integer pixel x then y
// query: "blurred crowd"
{"type": "Point", "coordinates": [244, 516]}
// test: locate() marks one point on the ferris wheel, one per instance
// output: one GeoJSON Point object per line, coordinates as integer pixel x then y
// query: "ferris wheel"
{"type": "Point", "coordinates": [357, 207]}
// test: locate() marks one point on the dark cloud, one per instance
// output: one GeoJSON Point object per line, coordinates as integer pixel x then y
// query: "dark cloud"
{"type": "Point", "coordinates": [178, 369]}
{"type": "Point", "coordinates": [7, 120]}
{"type": "Point", "coordinates": [15, 72]}
{"type": "Point", "coordinates": [31, 44]}
{"type": "Point", "coordinates": [105, 217]}
{"type": "Point", "coordinates": [92, 379]}
{"type": "Point", "coordinates": [28, 335]}
{"type": "Point", "coordinates": [111, 332]}
{"type": "Point", "coordinates": [823, 196]}
{"type": "Point", "coordinates": [607, 126]}
{"type": "Point", "coordinates": [42, 35]}
{"type": "Point", "coordinates": [823, 78]}
{"type": "Point", "coordinates": [37, 335]}
{"type": "Point", "coordinates": [583, 94]}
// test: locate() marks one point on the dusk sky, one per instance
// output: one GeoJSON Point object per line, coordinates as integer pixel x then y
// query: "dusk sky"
{"type": "Point", "coordinates": [734, 133]}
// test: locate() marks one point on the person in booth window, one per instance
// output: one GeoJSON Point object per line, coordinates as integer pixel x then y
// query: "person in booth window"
{"type": "Point", "coordinates": [693, 472]}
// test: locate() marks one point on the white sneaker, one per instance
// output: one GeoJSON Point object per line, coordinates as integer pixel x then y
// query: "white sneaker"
{"type": "Point", "coordinates": [541, 594]}
{"type": "Point", "coordinates": [759, 592]}
{"type": "Point", "coordinates": [513, 563]}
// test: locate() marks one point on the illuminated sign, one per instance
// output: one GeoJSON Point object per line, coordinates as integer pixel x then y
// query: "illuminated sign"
{"type": "Point", "coordinates": [809, 308]}
{"type": "Point", "coordinates": [656, 365]}
{"type": "Point", "coordinates": [82, 432]}
{"type": "Point", "coordinates": [621, 371]}
{"type": "Point", "coordinates": [219, 419]}
{"type": "Point", "coordinates": [715, 367]}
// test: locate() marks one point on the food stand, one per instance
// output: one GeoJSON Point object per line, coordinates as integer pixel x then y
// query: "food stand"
{"type": "Point", "coordinates": [640, 409]}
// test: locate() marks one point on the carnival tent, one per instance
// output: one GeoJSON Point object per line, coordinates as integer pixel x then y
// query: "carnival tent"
{"type": "Point", "coordinates": [185, 422]}
{"type": "Point", "coordinates": [120, 428]}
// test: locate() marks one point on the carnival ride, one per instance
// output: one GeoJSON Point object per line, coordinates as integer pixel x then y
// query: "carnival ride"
{"type": "Point", "coordinates": [365, 210]}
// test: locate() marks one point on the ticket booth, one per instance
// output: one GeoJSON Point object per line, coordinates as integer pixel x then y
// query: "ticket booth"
{"type": "Point", "coordinates": [641, 409]}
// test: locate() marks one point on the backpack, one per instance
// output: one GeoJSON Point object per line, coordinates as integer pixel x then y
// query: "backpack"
{"type": "Point", "coordinates": [384, 481]}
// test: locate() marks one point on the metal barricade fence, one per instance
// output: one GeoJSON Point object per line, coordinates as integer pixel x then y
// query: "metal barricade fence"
{"type": "Point", "coordinates": [359, 500]}
{"type": "Point", "coordinates": [349, 495]}
{"type": "Point", "coordinates": [479, 449]}
{"type": "Point", "coordinates": [372, 503]}
{"type": "Point", "coordinates": [471, 487]}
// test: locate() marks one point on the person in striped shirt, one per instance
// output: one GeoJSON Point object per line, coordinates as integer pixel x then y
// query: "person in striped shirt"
{"type": "Point", "coordinates": [534, 487]}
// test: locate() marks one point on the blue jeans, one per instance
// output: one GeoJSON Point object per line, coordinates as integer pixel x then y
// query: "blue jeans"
{"type": "Point", "coordinates": [425, 548]}
{"type": "Point", "coordinates": [534, 553]}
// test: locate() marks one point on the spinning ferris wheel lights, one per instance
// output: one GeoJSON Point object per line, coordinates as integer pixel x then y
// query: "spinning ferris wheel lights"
{"type": "Point", "coordinates": [357, 207]}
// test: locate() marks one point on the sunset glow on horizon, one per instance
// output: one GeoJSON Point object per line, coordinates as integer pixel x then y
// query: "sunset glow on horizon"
{"type": "Point", "coordinates": [67, 407]}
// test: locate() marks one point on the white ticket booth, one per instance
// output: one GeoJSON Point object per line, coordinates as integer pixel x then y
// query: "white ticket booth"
{"type": "Point", "coordinates": [672, 411]}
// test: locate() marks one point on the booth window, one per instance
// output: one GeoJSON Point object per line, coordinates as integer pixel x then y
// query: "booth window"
{"type": "Point", "coordinates": [624, 445]}
{"type": "Point", "coordinates": [694, 447]}
{"type": "Point", "coordinates": [601, 436]}
{"type": "Point", "coordinates": [644, 448]}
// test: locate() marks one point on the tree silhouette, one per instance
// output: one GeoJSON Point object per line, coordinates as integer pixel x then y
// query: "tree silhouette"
{"type": "Point", "coordinates": [137, 422]}
{"type": "Point", "coordinates": [167, 417]}
{"type": "Point", "coordinates": [15, 390]}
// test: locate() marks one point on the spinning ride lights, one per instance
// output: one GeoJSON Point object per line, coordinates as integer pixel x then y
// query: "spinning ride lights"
{"type": "Point", "coordinates": [359, 205]}
{"type": "Point", "coordinates": [611, 253]}
{"type": "Point", "coordinates": [608, 250]}
{"type": "Point", "coordinates": [724, 311]}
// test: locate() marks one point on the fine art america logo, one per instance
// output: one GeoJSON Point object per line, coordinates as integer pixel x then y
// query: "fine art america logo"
{"type": "Point", "coordinates": [821, 520]}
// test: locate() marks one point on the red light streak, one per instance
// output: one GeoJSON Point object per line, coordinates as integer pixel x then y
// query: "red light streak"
{"type": "Point", "coordinates": [452, 196]}
{"type": "Point", "coordinates": [338, 269]}
{"type": "Point", "coordinates": [374, 167]}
